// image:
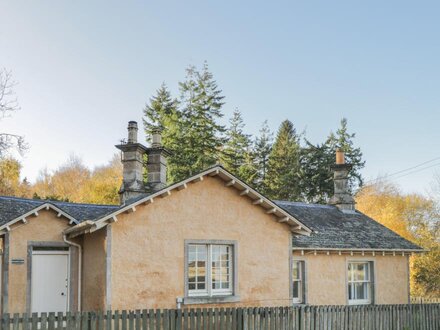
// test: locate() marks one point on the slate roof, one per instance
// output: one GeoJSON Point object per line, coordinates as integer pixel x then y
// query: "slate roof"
{"type": "Point", "coordinates": [13, 207]}
{"type": "Point", "coordinates": [334, 229]}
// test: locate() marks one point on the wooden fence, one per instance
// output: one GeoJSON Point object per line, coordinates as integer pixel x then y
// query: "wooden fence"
{"type": "Point", "coordinates": [380, 317]}
{"type": "Point", "coordinates": [423, 300]}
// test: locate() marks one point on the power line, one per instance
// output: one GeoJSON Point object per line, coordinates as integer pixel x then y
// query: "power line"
{"type": "Point", "coordinates": [422, 169]}
{"type": "Point", "coordinates": [406, 170]}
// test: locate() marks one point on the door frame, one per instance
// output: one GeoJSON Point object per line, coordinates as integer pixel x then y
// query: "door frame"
{"type": "Point", "coordinates": [47, 248]}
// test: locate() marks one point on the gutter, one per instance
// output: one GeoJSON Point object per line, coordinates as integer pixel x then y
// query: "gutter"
{"type": "Point", "coordinates": [79, 267]}
{"type": "Point", "coordinates": [366, 250]}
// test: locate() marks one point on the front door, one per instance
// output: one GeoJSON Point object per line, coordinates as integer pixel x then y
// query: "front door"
{"type": "Point", "coordinates": [50, 281]}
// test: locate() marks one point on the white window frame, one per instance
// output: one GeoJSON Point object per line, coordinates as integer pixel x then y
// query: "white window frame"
{"type": "Point", "coordinates": [300, 279]}
{"type": "Point", "coordinates": [209, 292]}
{"type": "Point", "coordinates": [370, 282]}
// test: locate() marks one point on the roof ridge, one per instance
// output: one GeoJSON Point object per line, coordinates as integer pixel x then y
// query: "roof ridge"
{"type": "Point", "coordinates": [54, 202]}
{"type": "Point", "coordinates": [306, 204]}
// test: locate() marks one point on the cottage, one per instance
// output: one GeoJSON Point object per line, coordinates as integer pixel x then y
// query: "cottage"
{"type": "Point", "coordinates": [208, 240]}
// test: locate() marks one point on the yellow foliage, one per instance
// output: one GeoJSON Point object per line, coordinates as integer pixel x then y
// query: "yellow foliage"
{"type": "Point", "coordinates": [10, 184]}
{"type": "Point", "coordinates": [74, 182]}
{"type": "Point", "coordinates": [413, 217]}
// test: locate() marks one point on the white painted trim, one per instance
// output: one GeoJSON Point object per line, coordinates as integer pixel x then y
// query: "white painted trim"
{"type": "Point", "coordinates": [34, 212]}
{"type": "Point", "coordinates": [230, 179]}
{"type": "Point", "coordinates": [355, 250]}
{"type": "Point", "coordinates": [373, 283]}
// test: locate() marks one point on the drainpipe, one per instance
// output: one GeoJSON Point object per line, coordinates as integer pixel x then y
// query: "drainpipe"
{"type": "Point", "coordinates": [79, 267]}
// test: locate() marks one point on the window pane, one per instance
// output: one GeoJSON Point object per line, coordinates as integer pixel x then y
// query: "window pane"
{"type": "Point", "coordinates": [221, 267]}
{"type": "Point", "coordinates": [350, 292]}
{"type": "Point", "coordinates": [197, 267]}
{"type": "Point", "coordinates": [360, 291]}
{"type": "Point", "coordinates": [296, 270]}
{"type": "Point", "coordinates": [350, 273]}
{"type": "Point", "coordinates": [360, 272]}
{"type": "Point", "coordinates": [296, 289]}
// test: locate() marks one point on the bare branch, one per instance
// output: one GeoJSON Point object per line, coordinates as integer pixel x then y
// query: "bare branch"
{"type": "Point", "coordinates": [9, 104]}
{"type": "Point", "coordinates": [8, 100]}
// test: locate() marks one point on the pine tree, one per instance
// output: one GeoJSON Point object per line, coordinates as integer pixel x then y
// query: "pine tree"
{"type": "Point", "coordinates": [283, 179]}
{"type": "Point", "coordinates": [345, 141]}
{"type": "Point", "coordinates": [316, 160]}
{"type": "Point", "coordinates": [316, 176]}
{"type": "Point", "coordinates": [200, 135]}
{"type": "Point", "coordinates": [237, 146]}
{"type": "Point", "coordinates": [262, 149]}
{"type": "Point", "coordinates": [161, 113]}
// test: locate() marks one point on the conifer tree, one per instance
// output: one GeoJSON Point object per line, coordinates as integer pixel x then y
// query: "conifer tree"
{"type": "Point", "coordinates": [237, 146]}
{"type": "Point", "coordinates": [316, 160]}
{"type": "Point", "coordinates": [160, 113]}
{"type": "Point", "coordinates": [283, 180]}
{"type": "Point", "coordinates": [262, 149]}
{"type": "Point", "coordinates": [200, 135]}
{"type": "Point", "coordinates": [353, 155]}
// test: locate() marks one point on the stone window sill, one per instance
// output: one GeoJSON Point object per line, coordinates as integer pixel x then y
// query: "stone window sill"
{"type": "Point", "coordinates": [210, 300]}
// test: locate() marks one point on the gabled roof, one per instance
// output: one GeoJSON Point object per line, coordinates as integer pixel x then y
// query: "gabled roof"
{"type": "Point", "coordinates": [14, 209]}
{"type": "Point", "coordinates": [319, 227]}
{"type": "Point", "coordinates": [230, 180]}
{"type": "Point", "coordinates": [336, 230]}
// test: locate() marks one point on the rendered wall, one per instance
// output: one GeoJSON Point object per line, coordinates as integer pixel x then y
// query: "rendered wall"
{"type": "Point", "coordinates": [45, 227]}
{"type": "Point", "coordinates": [94, 271]}
{"type": "Point", "coordinates": [326, 279]}
{"type": "Point", "coordinates": [148, 247]}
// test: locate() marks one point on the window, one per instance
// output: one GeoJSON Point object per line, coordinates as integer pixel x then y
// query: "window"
{"type": "Point", "coordinates": [360, 282]}
{"type": "Point", "coordinates": [298, 274]}
{"type": "Point", "coordinates": [210, 270]}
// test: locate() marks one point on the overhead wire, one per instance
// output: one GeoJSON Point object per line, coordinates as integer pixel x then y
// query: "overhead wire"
{"type": "Point", "coordinates": [403, 172]}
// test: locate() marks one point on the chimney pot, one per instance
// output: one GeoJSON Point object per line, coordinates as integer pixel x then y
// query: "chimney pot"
{"type": "Point", "coordinates": [156, 138]}
{"type": "Point", "coordinates": [340, 157]}
{"type": "Point", "coordinates": [132, 132]}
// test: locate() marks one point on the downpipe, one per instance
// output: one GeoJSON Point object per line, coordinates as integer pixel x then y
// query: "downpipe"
{"type": "Point", "coordinates": [79, 267]}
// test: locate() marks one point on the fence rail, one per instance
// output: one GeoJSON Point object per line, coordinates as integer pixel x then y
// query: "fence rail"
{"type": "Point", "coordinates": [423, 300]}
{"type": "Point", "coordinates": [380, 317]}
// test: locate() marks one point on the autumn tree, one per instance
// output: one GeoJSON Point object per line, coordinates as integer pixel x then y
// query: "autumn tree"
{"type": "Point", "coordinates": [104, 183]}
{"type": "Point", "coordinates": [10, 183]}
{"type": "Point", "coordinates": [414, 217]}
{"type": "Point", "coordinates": [66, 182]}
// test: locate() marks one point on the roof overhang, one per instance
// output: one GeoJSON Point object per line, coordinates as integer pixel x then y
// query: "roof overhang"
{"type": "Point", "coordinates": [34, 213]}
{"type": "Point", "coordinates": [357, 251]}
{"type": "Point", "coordinates": [245, 191]}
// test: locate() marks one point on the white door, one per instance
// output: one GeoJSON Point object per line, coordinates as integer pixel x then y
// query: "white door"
{"type": "Point", "coordinates": [50, 281]}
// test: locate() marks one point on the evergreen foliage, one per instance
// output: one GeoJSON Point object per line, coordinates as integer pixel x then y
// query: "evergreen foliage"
{"type": "Point", "coordinates": [289, 168]}
{"type": "Point", "coordinates": [283, 180]}
{"type": "Point", "coordinates": [262, 149]}
{"type": "Point", "coordinates": [316, 160]}
{"type": "Point", "coordinates": [161, 113]}
{"type": "Point", "coordinates": [237, 146]}
{"type": "Point", "coordinates": [200, 136]}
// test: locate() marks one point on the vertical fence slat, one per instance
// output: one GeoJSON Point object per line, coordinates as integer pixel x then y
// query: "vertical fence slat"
{"type": "Point", "coordinates": [368, 317]}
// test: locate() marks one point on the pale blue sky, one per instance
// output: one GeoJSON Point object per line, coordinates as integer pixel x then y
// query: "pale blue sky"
{"type": "Point", "coordinates": [85, 68]}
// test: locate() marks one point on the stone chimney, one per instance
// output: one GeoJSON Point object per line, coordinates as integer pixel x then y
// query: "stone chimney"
{"type": "Point", "coordinates": [132, 162]}
{"type": "Point", "coordinates": [156, 163]}
{"type": "Point", "coordinates": [342, 197]}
